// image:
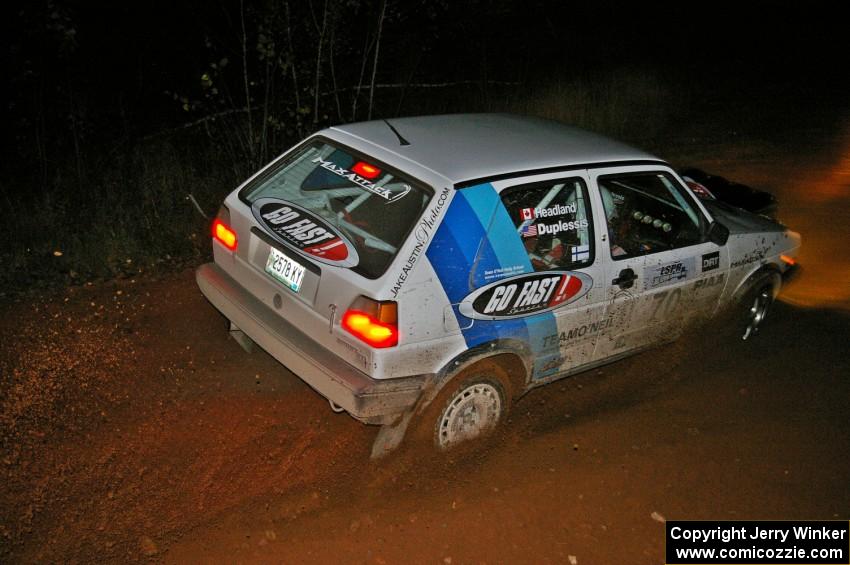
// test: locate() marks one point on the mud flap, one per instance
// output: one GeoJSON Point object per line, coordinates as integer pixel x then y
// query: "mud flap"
{"type": "Point", "coordinates": [243, 340]}
{"type": "Point", "coordinates": [391, 435]}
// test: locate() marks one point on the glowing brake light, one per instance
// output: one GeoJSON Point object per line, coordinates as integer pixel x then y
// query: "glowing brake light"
{"type": "Point", "coordinates": [788, 260]}
{"type": "Point", "coordinates": [371, 321]}
{"type": "Point", "coordinates": [366, 170]}
{"type": "Point", "coordinates": [224, 234]}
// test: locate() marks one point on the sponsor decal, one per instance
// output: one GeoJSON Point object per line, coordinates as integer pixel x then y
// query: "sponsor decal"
{"type": "Point", "coordinates": [422, 234]}
{"type": "Point", "coordinates": [502, 272]}
{"type": "Point", "coordinates": [708, 282]}
{"type": "Point", "coordinates": [302, 230]}
{"type": "Point", "coordinates": [669, 273]}
{"type": "Point", "coordinates": [710, 261]}
{"type": "Point", "coordinates": [524, 295]}
{"type": "Point", "coordinates": [751, 257]}
{"type": "Point", "coordinates": [382, 191]}
{"type": "Point", "coordinates": [568, 337]}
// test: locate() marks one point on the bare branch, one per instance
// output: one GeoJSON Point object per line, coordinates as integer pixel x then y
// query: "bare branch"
{"type": "Point", "coordinates": [333, 72]}
{"type": "Point", "coordinates": [245, 77]}
{"type": "Point", "coordinates": [375, 60]}
{"type": "Point", "coordinates": [319, 63]}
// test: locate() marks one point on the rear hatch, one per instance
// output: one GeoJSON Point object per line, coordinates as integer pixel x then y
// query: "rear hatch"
{"type": "Point", "coordinates": [322, 225]}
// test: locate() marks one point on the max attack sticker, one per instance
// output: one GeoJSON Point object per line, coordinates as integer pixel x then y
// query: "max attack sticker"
{"type": "Point", "coordinates": [304, 231]}
{"type": "Point", "coordinates": [390, 195]}
{"type": "Point", "coordinates": [525, 295]}
{"type": "Point", "coordinates": [669, 273]}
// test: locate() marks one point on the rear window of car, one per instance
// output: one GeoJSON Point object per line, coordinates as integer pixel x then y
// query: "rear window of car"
{"type": "Point", "coordinates": [374, 206]}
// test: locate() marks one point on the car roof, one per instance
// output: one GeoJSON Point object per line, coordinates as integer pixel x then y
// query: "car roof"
{"type": "Point", "coordinates": [467, 147]}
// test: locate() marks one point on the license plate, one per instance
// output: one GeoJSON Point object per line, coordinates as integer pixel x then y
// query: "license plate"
{"type": "Point", "coordinates": [284, 269]}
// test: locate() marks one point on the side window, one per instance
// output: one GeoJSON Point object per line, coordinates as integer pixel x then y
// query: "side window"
{"type": "Point", "coordinates": [647, 213]}
{"type": "Point", "coordinates": [554, 222]}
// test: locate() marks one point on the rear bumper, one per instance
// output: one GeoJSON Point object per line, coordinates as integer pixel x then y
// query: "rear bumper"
{"type": "Point", "coordinates": [369, 400]}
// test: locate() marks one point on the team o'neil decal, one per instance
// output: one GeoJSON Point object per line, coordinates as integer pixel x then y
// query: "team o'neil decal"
{"type": "Point", "coordinates": [305, 232]}
{"type": "Point", "coordinates": [524, 295]}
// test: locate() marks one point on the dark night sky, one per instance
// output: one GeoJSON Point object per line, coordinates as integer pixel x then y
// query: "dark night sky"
{"type": "Point", "coordinates": [128, 54]}
{"type": "Point", "coordinates": [97, 94]}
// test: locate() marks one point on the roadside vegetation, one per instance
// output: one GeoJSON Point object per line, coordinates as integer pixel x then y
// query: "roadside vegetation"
{"type": "Point", "coordinates": [92, 192]}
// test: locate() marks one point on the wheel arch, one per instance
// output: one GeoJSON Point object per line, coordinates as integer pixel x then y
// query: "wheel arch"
{"type": "Point", "coordinates": [514, 357]}
{"type": "Point", "coordinates": [768, 271]}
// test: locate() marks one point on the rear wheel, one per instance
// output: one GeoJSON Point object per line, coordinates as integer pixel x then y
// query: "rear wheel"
{"type": "Point", "coordinates": [471, 406]}
{"type": "Point", "coordinates": [472, 411]}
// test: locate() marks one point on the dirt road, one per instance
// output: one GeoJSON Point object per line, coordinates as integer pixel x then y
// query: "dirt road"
{"type": "Point", "coordinates": [132, 429]}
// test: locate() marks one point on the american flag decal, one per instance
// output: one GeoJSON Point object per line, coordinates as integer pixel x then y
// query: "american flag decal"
{"type": "Point", "coordinates": [529, 230]}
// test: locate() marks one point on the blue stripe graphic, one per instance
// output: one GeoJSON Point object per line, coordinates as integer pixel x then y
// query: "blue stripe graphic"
{"type": "Point", "coordinates": [477, 244]}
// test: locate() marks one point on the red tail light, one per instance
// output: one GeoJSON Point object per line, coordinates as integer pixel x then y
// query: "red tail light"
{"type": "Point", "coordinates": [372, 321]}
{"type": "Point", "coordinates": [224, 234]}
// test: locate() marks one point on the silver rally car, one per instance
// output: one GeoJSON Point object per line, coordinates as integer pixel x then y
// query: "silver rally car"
{"type": "Point", "coordinates": [431, 270]}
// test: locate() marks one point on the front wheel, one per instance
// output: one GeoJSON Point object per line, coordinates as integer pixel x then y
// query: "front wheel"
{"type": "Point", "coordinates": [755, 308]}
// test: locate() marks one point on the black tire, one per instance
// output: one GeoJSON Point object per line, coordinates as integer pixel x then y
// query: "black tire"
{"type": "Point", "coordinates": [470, 406]}
{"type": "Point", "coordinates": [753, 308]}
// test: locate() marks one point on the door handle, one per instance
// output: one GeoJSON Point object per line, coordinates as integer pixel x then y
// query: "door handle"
{"type": "Point", "coordinates": [626, 279]}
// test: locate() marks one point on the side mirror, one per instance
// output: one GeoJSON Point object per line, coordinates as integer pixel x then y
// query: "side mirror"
{"type": "Point", "coordinates": [718, 233]}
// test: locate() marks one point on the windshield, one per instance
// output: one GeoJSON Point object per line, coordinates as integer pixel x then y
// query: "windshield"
{"type": "Point", "coordinates": [372, 206]}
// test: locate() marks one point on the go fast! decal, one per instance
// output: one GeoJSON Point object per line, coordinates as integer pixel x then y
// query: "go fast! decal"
{"type": "Point", "coordinates": [304, 231]}
{"type": "Point", "coordinates": [525, 294]}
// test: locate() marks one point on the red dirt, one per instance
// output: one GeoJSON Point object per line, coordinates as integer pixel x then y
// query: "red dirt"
{"type": "Point", "coordinates": [139, 430]}
{"type": "Point", "coordinates": [133, 429]}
